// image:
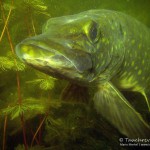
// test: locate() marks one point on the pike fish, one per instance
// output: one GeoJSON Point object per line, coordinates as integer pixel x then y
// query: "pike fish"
{"type": "Point", "coordinates": [101, 49]}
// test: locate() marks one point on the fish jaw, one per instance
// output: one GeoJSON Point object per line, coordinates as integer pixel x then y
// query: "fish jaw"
{"type": "Point", "coordinates": [45, 55]}
{"type": "Point", "coordinates": [36, 55]}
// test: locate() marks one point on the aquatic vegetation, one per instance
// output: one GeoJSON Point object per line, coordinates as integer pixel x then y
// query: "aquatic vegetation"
{"type": "Point", "coordinates": [37, 5]}
{"type": "Point", "coordinates": [17, 107]}
{"type": "Point", "coordinates": [44, 81]}
{"type": "Point", "coordinates": [7, 63]}
{"type": "Point", "coordinates": [28, 105]}
{"type": "Point", "coordinates": [21, 147]}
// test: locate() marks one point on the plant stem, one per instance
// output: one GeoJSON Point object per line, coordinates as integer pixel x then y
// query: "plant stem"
{"type": "Point", "coordinates": [17, 73]}
{"type": "Point", "coordinates": [8, 34]}
{"type": "Point", "coordinates": [13, 51]}
{"type": "Point", "coordinates": [4, 133]}
{"type": "Point", "coordinates": [33, 27]}
{"type": "Point", "coordinates": [24, 132]}
{"type": "Point", "coordinates": [26, 22]}
{"type": "Point", "coordinates": [18, 88]}
{"type": "Point", "coordinates": [38, 129]}
{"type": "Point", "coordinates": [6, 22]}
{"type": "Point", "coordinates": [35, 137]}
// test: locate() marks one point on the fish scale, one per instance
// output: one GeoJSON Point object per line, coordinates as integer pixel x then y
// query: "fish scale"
{"type": "Point", "coordinates": [134, 73]}
{"type": "Point", "coordinates": [103, 50]}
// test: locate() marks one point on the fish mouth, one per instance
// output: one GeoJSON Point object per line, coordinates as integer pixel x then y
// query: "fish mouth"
{"type": "Point", "coordinates": [44, 54]}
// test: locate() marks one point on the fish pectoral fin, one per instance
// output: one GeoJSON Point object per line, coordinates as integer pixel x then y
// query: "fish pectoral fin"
{"type": "Point", "coordinates": [75, 93]}
{"type": "Point", "coordinates": [113, 106]}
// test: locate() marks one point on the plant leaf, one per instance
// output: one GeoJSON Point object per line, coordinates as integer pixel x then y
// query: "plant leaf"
{"type": "Point", "coordinates": [6, 63]}
{"type": "Point", "coordinates": [44, 81]}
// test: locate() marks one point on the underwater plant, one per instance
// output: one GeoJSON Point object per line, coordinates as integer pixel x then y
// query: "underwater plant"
{"type": "Point", "coordinates": [19, 106]}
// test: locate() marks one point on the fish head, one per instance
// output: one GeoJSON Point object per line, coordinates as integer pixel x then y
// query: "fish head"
{"type": "Point", "coordinates": [66, 48]}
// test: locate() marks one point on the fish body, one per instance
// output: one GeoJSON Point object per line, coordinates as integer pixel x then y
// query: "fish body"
{"type": "Point", "coordinates": [105, 49]}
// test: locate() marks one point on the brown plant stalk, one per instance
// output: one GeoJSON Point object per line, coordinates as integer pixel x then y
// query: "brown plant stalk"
{"type": "Point", "coordinates": [38, 129]}
{"type": "Point", "coordinates": [17, 73]}
{"type": "Point", "coordinates": [6, 21]}
{"type": "Point", "coordinates": [4, 132]}
{"type": "Point", "coordinates": [37, 141]}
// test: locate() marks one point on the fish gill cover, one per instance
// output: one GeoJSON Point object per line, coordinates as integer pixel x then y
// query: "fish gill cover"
{"type": "Point", "coordinates": [32, 115]}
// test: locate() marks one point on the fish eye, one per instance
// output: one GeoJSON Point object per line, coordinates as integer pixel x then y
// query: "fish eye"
{"type": "Point", "coordinates": [93, 32]}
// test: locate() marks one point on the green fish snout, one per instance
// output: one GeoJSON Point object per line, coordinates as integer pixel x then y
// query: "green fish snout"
{"type": "Point", "coordinates": [44, 52]}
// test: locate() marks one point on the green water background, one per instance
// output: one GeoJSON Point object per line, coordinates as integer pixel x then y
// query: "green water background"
{"type": "Point", "coordinates": [26, 20]}
{"type": "Point", "coordinates": [140, 9]}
